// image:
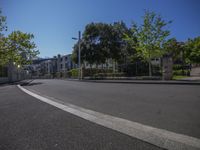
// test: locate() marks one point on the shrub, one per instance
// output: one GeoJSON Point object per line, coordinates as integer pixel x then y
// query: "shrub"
{"type": "Point", "coordinates": [73, 73]}
{"type": "Point", "coordinates": [104, 75]}
{"type": "Point", "coordinates": [92, 71]}
{"type": "Point", "coordinates": [181, 72]}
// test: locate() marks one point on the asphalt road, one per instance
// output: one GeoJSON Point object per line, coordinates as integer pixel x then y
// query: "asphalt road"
{"type": "Point", "coordinates": [29, 124]}
{"type": "Point", "coordinates": [172, 107]}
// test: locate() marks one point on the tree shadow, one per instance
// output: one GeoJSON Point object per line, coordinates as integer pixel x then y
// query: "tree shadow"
{"type": "Point", "coordinates": [31, 84]}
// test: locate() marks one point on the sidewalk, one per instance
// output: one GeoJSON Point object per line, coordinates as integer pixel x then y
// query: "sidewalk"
{"type": "Point", "coordinates": [197, 79]}
{"type": "Point", "coordinates": [180, 82]}
{"type": "Point", "coordinates": [185, 81]}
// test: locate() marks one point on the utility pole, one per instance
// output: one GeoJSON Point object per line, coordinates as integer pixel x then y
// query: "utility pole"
{"type": "Point", "coordinates": [79, 55]}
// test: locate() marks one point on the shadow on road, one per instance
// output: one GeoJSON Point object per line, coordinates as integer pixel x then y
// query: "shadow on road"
{"type": "Point", "coordinates": [31, 84]}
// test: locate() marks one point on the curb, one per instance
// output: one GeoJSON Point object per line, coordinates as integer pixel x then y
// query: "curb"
{"type": "Point", "coordinates": [138, 82]}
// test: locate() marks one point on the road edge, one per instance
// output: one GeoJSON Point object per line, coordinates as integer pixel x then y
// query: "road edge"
{"type": "Point", "coordinates": [172, 82]}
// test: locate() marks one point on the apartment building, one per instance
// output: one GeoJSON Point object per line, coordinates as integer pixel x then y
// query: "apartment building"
{"type": "Point", "coordinates": [51, 67]}
{"type": "Point", "coordinates": [64, 63]}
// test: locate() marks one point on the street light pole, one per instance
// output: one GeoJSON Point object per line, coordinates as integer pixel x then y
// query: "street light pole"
{"type": "Point", "coordinates": [79, 54]}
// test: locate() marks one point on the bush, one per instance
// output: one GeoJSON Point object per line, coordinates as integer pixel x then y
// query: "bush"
{"type": "Point", "coordinates": [181, 67]}
{"type": "Point", "coordinates": [73, 73]}
{"type": "Point", "coordinates": [181, 72]}
{"type": "Point", "coordinates": [104, 75]}
{"type": "Point", "coordinates": [93, 71]}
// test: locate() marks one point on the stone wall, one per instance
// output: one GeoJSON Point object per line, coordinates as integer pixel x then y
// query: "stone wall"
{"type": "Point", "coordinates": [167, 68]}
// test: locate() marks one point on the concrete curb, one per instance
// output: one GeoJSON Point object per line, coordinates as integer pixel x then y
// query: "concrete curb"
{"type": "Point", "coordinates": [139, 82]}
{"type": "Point", "coordinates": [178, 82]}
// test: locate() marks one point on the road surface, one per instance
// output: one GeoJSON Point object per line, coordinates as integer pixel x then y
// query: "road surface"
{"type": "Point", "coordinates": [29, 124]}
{"type": "Point", "coordinates": [171, 107]}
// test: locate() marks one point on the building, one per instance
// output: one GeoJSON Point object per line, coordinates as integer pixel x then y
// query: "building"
{"type": "Point", "coordinates": [64, 63]}
{"type": "Point", "coordinates": [51, 67]}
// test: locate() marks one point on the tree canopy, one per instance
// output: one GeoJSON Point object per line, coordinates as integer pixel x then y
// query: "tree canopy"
{"type": "Point", "coordinates": [192, 50]}
{"type": "Point", "coordinates": [151, 35]}
{"type": "Point", "coordinates": [173, 48]}
{"type": "Point", "coordinates": [143, 42]}
{"type": "Point", "coordinates": [3, 26]}
{"type": "Point", "coordinates": [101, 41]}
{"type": "Point", "coordinates": [17, 47]}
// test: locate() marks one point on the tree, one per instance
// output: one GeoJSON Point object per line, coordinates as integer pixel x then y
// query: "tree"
{"type": "Point", "coordinates": [3, 40]}
{"type": "Point", "coordinates": [3, 26]}
{"type": "Point", "coordinates": [18, 47]}
{"type": "Point", "coordinates": [131, 40]}
{"type": "Point", "coordinates": [192, 50]}
{"type": "Point", "coordinates": [91, 46]}
{"type": "Point", "coordinates": [102, 41]}
{"type": "Point", "coordinates": [173, 48]}
{"type": "Point", "coordinates": [150, 37]}
{"type": "Point", "coordinates": [85, 53]}
{"type": "Point", "coordinates": [21, 47]}
{"type": "Point", "coordinates": [95, 51]}
{"type": "Point", "coordinates": [3, 51]}
{"type": "Point", "coordinates": [114, 40]}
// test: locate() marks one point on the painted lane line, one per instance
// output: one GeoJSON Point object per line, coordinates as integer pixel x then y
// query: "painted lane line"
{"type": "Point", "coordinates": [159, 137]}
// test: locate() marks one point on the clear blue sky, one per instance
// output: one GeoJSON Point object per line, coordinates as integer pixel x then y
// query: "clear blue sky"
{"type": "Point", "coordinates": [54, 22]}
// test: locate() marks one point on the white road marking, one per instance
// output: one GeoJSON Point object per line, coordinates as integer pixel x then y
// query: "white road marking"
{"type": "Point", "coordinates": [159, 137]}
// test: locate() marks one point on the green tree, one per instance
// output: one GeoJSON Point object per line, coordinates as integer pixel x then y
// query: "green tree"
{"type": "Point", "coordinates": [84, 53]}
{"type": "Point", "coordinates": [192, 50]}
{"type": "Point", "coordinates": [173, 48]}
{"type": "Point", "coordinates": [91, 48]}
{"type": "Point", "coordinates": [92, 37]}
{"type": "Point", "coordinates": [3, 26]}
{"type": "Point", "coordinates": [21, 47]}
{"type": "Point", "coordinates": [3, 51]}
{"type": "Point", "coordinates": [131, 40]}
{"type": "Point", "coordinates": [150, 37]}
{"type": "Point", "coordinates": [18, 47]}
{"type": "Point", "coordinates": [114, 40]}
{"type": "Point", "coordinates": [3, 40]}
{"type": "Point", "coordinates": [102, 41]}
